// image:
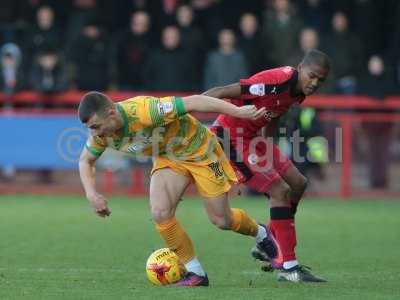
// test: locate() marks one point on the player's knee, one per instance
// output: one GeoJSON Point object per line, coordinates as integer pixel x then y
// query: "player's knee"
{"type": "Point", "coordinates": [161, 215]}
{"type": "Point", "coordinates": [279, 195]}
{"type": "Point", "coordinates": [283, 192]}
{"type": "Point", "coordinates": [221, 222]}
{"type": "Point", "coordinates": [304, 183]}
{"type": "Point", "coordinates": [300, 183]}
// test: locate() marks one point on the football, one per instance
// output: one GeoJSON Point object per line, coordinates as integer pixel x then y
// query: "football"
{"type": "Point", "coordinates": [163, 267]}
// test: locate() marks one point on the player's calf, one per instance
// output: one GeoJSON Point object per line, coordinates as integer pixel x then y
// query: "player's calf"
{"type": "Point", "coordinates": [221, 222]}
{"type": "Point", "coordinates": [298, 184]}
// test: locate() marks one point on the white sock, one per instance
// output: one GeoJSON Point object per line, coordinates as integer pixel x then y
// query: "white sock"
{"type": "Point", "coordinates": [290, 264]}
{"type": "Point", "coordinates": [194, 266]}
{"type": "Point", "coordinates": [261, 233]}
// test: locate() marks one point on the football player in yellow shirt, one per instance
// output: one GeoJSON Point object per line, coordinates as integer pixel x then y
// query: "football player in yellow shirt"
{"type": "Point", "coordinates": [184, 151]}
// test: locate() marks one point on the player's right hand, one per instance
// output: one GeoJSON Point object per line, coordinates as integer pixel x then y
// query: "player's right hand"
{"type": "Point", "coordinates": [99, 204]}
{"type": "Point", "coordinates": [250, 112]}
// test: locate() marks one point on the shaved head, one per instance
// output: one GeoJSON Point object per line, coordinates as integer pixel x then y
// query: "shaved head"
{"type": "Point", "coordinates": [317, 58]}
{"type": "Point", "coordinates": [93, 103]}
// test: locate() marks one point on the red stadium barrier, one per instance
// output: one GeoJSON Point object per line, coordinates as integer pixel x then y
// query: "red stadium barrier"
{"type": "Point", "coordinates": [346, 121]}
{"type": "Point", "coordinates": [348, 102]}
{"type": "Point", "coordinates": [72, 97]}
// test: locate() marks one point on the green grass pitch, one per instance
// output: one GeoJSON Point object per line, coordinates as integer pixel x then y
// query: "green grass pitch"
{"type": "Point", "coordinates": [56, 248]}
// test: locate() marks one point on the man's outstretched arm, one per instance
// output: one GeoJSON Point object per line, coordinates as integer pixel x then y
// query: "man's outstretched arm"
{"type": "Point", "coordinates": [202, 103]}
{"type": "Point", "coordinates": [227, 91]}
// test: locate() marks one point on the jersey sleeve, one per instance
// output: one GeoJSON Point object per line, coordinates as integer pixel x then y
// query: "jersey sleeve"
{"type": "Point", "coordinates": [265, 82]}
{"type": "Point", "coordinates": [96, 145]}
{"type": "Point", "coordinates": [158, 112]}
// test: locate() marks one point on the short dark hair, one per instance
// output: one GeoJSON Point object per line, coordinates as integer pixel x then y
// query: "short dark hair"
{"type": "Point", "coordinates": [93, 103]}
{"type": "Point", "coordinates": [317, 57]}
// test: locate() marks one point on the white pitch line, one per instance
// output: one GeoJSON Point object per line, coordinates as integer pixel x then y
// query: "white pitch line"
{"type": "Point", "coordinates": [66, 270]}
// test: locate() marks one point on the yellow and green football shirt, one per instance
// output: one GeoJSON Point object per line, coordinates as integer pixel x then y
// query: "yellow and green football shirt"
{"type": "Point", "coordinates": [157, 127]}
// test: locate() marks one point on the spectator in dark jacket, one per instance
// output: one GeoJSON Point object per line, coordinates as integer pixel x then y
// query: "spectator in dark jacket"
{"type": "Point", "coordinates": [249, 43]}
{"type": "Point", "coordinates": [346, 51]}
{"type": "Point", "coordinates": [131, 52]}
{"type": "Point", "coordinates": [48, 76]}
{"type": "Point", "coordinates": [226, 64]}
{"type": "Point", "coordinates": [90, 57]}
{"type": "Point", "coordinates": [308, 40]}
{"type": "Point", "coordinates": [168, 68]}
{"type": "Point", "coordinates": [43, 35]}
{"type": "Point", "coordinates": [281, 27]}
{"type": "Point", "coordinates": [192, 41]}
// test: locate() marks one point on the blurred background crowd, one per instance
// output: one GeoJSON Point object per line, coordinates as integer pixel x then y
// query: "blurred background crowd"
{"type": "Point", "coordinates": [178, 45]}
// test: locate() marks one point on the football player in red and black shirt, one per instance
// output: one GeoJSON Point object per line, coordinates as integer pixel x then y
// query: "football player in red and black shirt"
{"type": "Point", "coordinates": [259, 163]}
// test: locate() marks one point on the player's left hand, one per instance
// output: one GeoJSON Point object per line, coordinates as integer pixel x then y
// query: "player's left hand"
{"type": "Point", "coordinates": [250, 112]}
{"type": "Point", "coordinates": [99, 204]}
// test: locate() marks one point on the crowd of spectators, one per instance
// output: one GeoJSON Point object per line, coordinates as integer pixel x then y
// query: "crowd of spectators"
{"type": "Point", "coordinates": [177, 45]}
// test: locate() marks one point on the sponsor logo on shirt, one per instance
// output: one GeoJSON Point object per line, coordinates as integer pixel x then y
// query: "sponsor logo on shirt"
{"type": "Point", "coordinates": [138, 145]}
{"type": "Point", "coordinates": [164, 108]}
{"type": "Point", "coordinates": [252, 159]}
{"type": "Point", "coordinates": [287, 70]}
{"type": "Point", "coordinates": [257, 89]}
{"type": "Point", "coordinates": [135, 147]}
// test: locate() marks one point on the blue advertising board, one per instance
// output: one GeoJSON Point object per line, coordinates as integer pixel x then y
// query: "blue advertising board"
{"type": "Point", "coordinates": [41, 141]}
